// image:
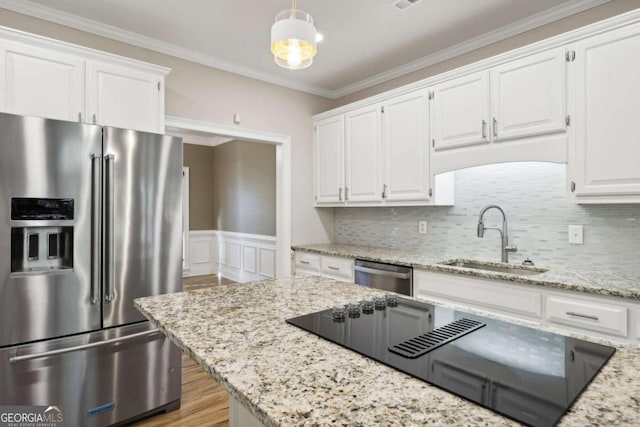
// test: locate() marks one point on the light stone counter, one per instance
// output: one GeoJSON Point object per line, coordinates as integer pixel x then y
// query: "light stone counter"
{"type": "Point", "coordinates": [610, 283]}
{"type": "Point", "coordinates": [288, 377]}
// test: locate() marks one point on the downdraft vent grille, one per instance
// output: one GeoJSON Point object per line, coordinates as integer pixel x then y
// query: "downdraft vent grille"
{"type": "Point", "coordinates": [423, 344]}
{"type": "Point", "coordinates": [403, 4]}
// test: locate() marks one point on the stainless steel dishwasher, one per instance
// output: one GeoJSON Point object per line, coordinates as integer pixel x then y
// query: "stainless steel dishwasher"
{"type": "Point", "coordinates": [389, 277]}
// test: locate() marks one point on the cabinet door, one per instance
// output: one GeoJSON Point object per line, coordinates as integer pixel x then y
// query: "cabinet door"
{"type": "Point", "coordinates": [329, 160]}
{"type": "Point", "coordinates": [405, 142]}
{"type": "Point", "coordinates": [363, 146]}
{"type": "Point", "coordinates": [126, 98]}
{"type": "Point", "coordinates": [528, 96]}
{"type": "Point", "coordinates": [606, 147]}
{"type": "Point", "coordinates": [460, 112]}
{"type": "Point", "coordinates": [41, 82]}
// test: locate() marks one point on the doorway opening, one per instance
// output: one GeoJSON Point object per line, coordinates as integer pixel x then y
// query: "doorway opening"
{"type": "Point", "coordinates": [241, 256]}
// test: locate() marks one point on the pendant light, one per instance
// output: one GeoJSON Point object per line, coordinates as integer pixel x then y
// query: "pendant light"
{"type": "Point", "coordinates": [293, 39]}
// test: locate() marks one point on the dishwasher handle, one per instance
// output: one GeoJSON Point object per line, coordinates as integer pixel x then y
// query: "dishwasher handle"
{"type": "Point", "coordinates": [382, 272]}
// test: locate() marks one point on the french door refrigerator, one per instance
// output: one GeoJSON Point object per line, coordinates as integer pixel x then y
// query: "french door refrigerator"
{"type": "Point", "coordinates": [90, 218]}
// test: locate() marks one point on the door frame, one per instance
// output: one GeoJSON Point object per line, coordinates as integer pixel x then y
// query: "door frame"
{"type": "Point", "coordinates": [283, 174]}
{"type": "Point", "coordinates": [186, 261]}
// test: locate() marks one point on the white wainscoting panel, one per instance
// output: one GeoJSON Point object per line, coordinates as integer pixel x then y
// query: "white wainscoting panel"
{"type": "Point", "coordinates": [250, 258]}
{"type": "Point", "coordinates": [233, 254]}
{"type": "Point", "coordinates": [203, 253]}
{"type": "Point", "coordinates": [267, 262]}
{"type": "Point", "coordinates": [246, 257]}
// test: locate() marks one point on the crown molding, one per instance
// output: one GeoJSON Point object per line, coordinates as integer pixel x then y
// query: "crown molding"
{"type": "Point", "coordinates": [29, 8]}
{"type": "Point", "coordinates": [563, 40]}
{"type": "Point", "coordinates": [499, 34]}
{"type": "Point", "coordinates": [94, 27]}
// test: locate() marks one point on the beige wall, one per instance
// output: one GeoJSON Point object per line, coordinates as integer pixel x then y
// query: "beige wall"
{"type": "Point", "coordinates": [199, 159]}
{"type": "Point", "coordinates": [607, 10]}
{"type": "Point", "coordinates": [232, 187]}
{"type": "Point", "coordinates": [203, 93]}
{"type": "Point", "coordinates": [244, 187]}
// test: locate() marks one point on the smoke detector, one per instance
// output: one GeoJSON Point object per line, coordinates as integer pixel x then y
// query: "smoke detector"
{"type": "Point", "coordinates": [404, 4]}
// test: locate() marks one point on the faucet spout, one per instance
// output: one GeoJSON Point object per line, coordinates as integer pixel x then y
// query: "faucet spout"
{"type": "Point", "coordinates": [504, 240]}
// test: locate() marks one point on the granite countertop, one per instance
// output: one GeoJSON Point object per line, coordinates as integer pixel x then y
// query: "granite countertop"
{"type": "Point", "coordinates": [288, 377]}
{"type": "Point", "coordinates": [610, 283]}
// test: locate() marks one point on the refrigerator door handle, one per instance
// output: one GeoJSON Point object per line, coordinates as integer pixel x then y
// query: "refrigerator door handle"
{"type": "Point", "coordinates": [95, 227]}
{"type": "Point", "coordinates": [109, 235]}
{"type": "Point", "coordinates": [14, 358]}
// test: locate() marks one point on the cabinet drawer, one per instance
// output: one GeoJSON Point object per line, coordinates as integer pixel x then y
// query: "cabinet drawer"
{"type": "Point", "coordinates": [479, 292]}
{"type": "Point", "coordinates": [307, 261]}
{"type": "Point", "coordinates": [585, 314]}
{"type": "Point", "coordinates": [337, 267]}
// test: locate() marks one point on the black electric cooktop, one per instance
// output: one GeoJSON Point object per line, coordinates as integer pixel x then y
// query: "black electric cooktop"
{"type": "Point", "coordinates": [526, 374]}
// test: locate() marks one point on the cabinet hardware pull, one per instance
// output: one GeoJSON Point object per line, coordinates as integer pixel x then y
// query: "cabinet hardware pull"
{"type": "Point", "coordinates": [346, 194]}
{"type": "Point", "coordinates": [584, 316]}
{"type": "Point", "coordinates": [304, 262]}
{"type": "Point", "coordinates": [573, 186]}
{"type": "Point", "coordinates": [340, 194]}
{"type": "Point", "coordinates": [332, 267]}
{"type": "Point", "coordinates": [495, 127]}
{"type": "Point", "coordinates": [94, 119]}
{"type": "Point", "coordinates": [79, 117]}
{"type": "Point", "coordinates": [384, 191]}
{"type": "Point", "coordinates": [484, 129]}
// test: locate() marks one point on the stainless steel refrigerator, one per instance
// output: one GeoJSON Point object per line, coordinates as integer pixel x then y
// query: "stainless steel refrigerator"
{"type": "Point", "coordinates": [90, 218]}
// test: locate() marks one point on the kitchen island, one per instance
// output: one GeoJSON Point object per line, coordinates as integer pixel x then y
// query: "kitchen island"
{"type": "Point", "coordinates": [285, 376]}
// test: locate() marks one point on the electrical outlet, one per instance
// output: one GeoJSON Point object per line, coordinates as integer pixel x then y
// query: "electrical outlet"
{"type": "Point", "coordinates": [576, 234]}
{"type": "Point", "coordinates": [422, 227]}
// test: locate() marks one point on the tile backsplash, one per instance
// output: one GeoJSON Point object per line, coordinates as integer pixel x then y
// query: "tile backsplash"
{"type": "Point", "coordinates": [533, 195]}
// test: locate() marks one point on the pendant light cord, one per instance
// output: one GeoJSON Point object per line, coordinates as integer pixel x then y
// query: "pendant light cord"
{"type": "Point", "coordinates": [293, 9]}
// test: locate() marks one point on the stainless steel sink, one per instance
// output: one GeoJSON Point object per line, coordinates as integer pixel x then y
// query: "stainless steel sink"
{"type": "Point", "coordinates": [504, 268]}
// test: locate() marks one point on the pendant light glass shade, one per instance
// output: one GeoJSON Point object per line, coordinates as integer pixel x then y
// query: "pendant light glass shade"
{"type": "Point", "coordinates": [293, 39]}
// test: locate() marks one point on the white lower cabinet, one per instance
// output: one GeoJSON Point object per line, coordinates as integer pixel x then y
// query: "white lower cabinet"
{"type": "Point", "coordinates": [310, 264]}
{"type": "Point", "coordinates": [239, 416]}
{"type": "Point", "coordinates": [485, 293]}
{"type": "Point", "coordinates": [307, 264]}
{"type": "Point", "coordinates": [337, 268]}
{"type": "Point", "coordinates": [588, 314]}
{"type": "Point", "coordinates": [606, 317]}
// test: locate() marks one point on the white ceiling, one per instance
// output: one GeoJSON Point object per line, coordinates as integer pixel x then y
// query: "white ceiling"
{"type": "Point", "coordinates": [366, 41]}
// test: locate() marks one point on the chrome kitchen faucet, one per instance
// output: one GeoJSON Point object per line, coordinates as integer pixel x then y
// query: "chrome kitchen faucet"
{"type": "Point", "coordinates": [504, 244]}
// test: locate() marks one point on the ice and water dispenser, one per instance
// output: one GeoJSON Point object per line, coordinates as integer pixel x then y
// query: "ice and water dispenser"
{"type": "Point", "coordinates": [43, 247]}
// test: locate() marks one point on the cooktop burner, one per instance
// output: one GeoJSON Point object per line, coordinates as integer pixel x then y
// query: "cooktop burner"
{"type": "Point", "coordinates": [526, 374]}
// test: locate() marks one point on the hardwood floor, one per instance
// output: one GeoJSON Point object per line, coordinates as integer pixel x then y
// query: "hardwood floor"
{"type": "Point", "coordinates": [204, 401]}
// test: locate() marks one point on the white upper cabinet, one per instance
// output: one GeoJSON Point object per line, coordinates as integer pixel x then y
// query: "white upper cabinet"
{"type": "Point", "coordinates": [329, 160]}
{"type": "Point", "coordinates": [47, 78]}
{"type": "Point", "coordinates": [362, 149]}
{"type": "Point", "coordinates": [528, 96]}
{"type": "Point", "coordinates": [605, 162]}
{"type": "Point", "coordinates": [123, 97]}
{"type": "Point", "coordinates": [460, 111]}
{"type": "Point", "coordinates": [41, 82]}
{"type": "Point", "coordinates": [405, 140]}
{"type": "Point", "coordinates": [378, 155]}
